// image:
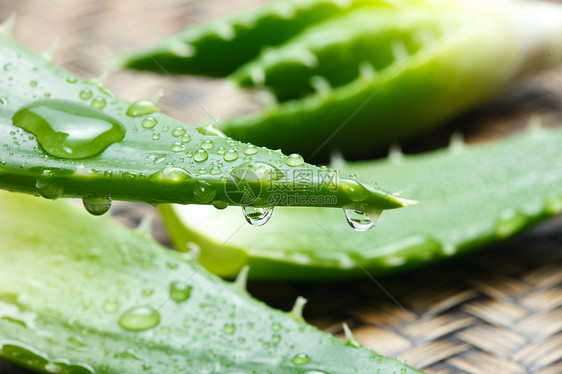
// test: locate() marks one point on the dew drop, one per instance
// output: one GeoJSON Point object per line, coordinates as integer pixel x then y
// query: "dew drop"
{"type": "Point", "coordinates": [170, 174]}
{"type": "Point", "coordinates": [149, 122]}
{"type": "Point", "coordinates": [221, 151]}
{"type": "Point", "coordinates": [178, 147]}
{"type": "Point", "coordinates": [300, 359]}
{"type": "Point", "coordinates": [207, 144]}
{"type": "Point", "coordinates": [71, 79]}
{"type": "Point", "coordinates": [165, 128]}
{"type": "Point", "coordinates": [360, 221]}
{"type": "Point", "coordinates": [156, 136]}
{"type": "Point", "coordinates": [250, 150]}
{"type": "Point", "coordinates": [98, 103]}
{"type": "Point", "coordinates": [180, 292]}
{"type": "Point", "coordinates": [141, 108]}
{"type": "Point", "coordinates": [185, 139]}
{"type": "Point", "coordinates": [69, 130]}
{"type": "Point", "coordinates": [230, 155]}
{"type": "Point", "coordinates": [215, 170]}
{"type": "Point", "coordinates": [257, 216]}
{"type": "Point", "coordinates": [33, 83]}
{"type": "Point", "coordinates": [111, 306]}
{"type": "Point", "coordinates": [139, 318]}
{"type": "Point", "coordinates": [96, 205]}
{"type": "Point", "coordinates": [85, 94]}
{"type": "Point", "coordinates": [256, 171]}
{"type": "Point", "coordinates": [294, 160]}
{"type": "Point", "coordinates": [204, 192]}
{"type": "Point", "coordinates": [178, 131]}
{"type": "Point", "coordinates": [229, 328]}
{"type": "Point", "coordinates": [200, 155]}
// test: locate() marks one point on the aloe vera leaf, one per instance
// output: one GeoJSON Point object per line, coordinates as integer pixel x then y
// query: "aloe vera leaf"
{"type": "Point", "coordinates": [394, 71]}
{"type": "Point", "coordinates": [425, 65]}
{"type": "Point", "coordinates": [65, 137]}
{"type": "Point", "coordinates": [471, 197]}
{"type": "Point", "coordinates": [85, 295]}
{"type": "Point", "coordinates": [221, 47]}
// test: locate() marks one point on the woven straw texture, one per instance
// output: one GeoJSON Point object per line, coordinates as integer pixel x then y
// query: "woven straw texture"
{"type": "Point", "coordinates": [496, 311]}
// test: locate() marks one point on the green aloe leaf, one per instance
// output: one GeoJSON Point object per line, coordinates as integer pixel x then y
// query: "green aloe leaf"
{"type": "Point", "coordinates": [471, 196]}
{"type": "Point", "coordinates": [82, 294]}
{"type": "Point", "coordinates": [221, 47]}
{"type": "Point", "coordinates": [391, 69]}
{"type": "Point", "coordinates": [62, 136]}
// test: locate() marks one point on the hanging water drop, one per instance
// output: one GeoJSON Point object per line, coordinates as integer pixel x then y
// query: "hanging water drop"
{"type": "Point", "coordinates": [360, 221]}
{"type": "Point", "coordinates": [220, 205]}
{"type": "Point", "coordinates": [69, 130]}
{"type": "Point", "coordinates": [96, 205]}
{"type": "Point", "coordinates": [257, 216]}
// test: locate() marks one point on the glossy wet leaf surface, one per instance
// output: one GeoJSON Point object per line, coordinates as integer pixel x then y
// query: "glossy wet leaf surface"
{"type": "Point", "coordinates": [471, 196]}
{"type": "Point", "coordinates": [62, 136]}
{"type": "Point", "coordinates": [81, 294]}
{"type": "Point", "coordinates": [372, 73]}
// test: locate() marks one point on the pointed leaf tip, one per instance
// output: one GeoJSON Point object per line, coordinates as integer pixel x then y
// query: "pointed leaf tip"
{"type": "Point", "coordinates": [351, 341]}
{"type": "Point", "coordinates": [7, 27]}
{"type": "Point", "coordinates": [298, 308]}
{"type": "Point", "coordinates": [241, 281]}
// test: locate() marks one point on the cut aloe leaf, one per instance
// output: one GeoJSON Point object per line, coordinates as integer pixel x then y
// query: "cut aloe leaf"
{"type": "Point", "coordinates": [65, 137]}
{"type": "Point", "coordinates": [85, 295]}
{"type": "Point", "coordinates": [219, 48]}
{"type": "Point", "coordinates": [470, 197]}
{"type": "Point", "coordinates": [392, 70]}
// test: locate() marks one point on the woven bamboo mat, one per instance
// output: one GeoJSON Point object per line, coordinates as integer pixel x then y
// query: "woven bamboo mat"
{"type": "Point", "coordinates": [496, 311]}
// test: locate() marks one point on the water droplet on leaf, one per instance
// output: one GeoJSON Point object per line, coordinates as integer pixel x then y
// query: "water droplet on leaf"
{"type": "Point", "coordinates": [180, 292]}
{"type": "Point", "coordinates": [200, 155]}
{"type": "Point", "coordinates": [149, 122]}
{"type": "Point", "coordinates": [69, 130]}
{"type": "Point", "coordinates": [139, 318]}
{"type": "Point", "coordinates": [294, 160]}
{"type": "Point", "coordinates": [230, 155]}
{"type": "Point", "coordinates": [300, 359]}
{"type": "Point", "coordinates": [141, 108]}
